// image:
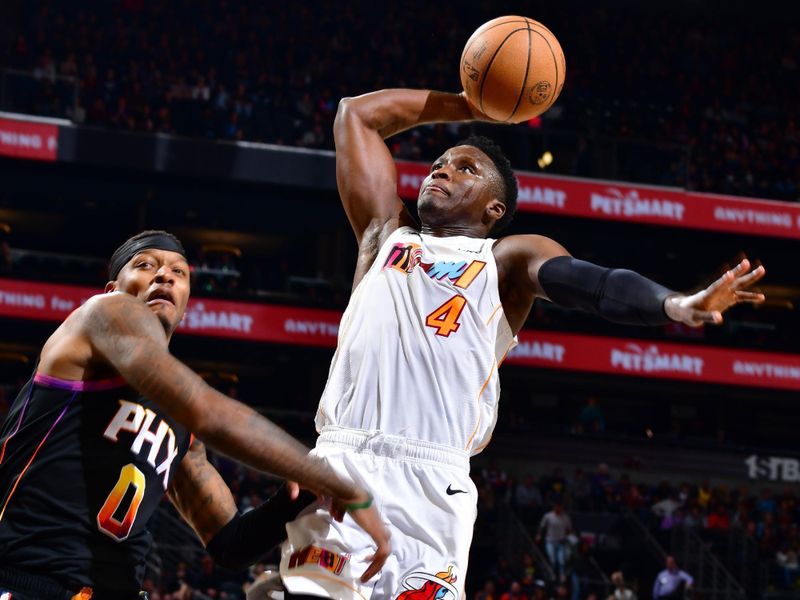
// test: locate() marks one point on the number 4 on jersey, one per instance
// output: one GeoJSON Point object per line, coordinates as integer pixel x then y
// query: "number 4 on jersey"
{"type": "Point", "coordinates": [445, 318]}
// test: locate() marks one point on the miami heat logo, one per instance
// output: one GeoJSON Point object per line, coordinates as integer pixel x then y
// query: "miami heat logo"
{"type": "Point", "coordinates": [424, 586]}
{"type": "Point", "coordinates": [404, 257]}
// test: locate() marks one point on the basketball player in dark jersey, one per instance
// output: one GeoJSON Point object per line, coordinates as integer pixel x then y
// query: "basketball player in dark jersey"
{"type": "Point", "coordinates": [106, 426]}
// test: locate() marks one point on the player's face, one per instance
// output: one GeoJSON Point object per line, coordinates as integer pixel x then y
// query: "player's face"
{"type": "Point", "coordinates": [461, 189]}
{"type": "Point", "coordinates": [159, 278]}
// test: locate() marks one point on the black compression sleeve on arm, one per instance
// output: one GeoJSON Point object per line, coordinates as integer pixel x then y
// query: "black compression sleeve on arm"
{"type": "Point", "coordinates": [619, 295]}
{"type": "Point", "coordinates": [249, 536]}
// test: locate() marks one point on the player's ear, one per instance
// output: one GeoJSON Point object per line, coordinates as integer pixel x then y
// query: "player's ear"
{"type": "Point", "coordinates": [495, 210]}
{"type": "Point", "coordinates": [111, 286]}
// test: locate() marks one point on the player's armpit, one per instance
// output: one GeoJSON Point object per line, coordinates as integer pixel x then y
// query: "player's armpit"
{"type": "Point", "coordinates": [201, 496]}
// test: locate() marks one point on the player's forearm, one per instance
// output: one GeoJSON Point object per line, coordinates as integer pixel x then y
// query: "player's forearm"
{"type": "Point", "coordinates": [247, 537]}
{"type": "Point", "coordinates": [618, 295]}
{"type": "Point", "coordinates": [394, 110]}
{"type": "Point", "coordinates": [244, 434]}
{"type": "Point", "coordinates": [237, 430]}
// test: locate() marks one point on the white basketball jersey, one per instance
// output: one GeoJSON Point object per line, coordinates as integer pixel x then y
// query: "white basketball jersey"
{"type": "Point", "coordinates": [420, 344]}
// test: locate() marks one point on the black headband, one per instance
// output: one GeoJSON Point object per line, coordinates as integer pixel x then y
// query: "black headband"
{"type": "Point", "coordinates": [156, 240]}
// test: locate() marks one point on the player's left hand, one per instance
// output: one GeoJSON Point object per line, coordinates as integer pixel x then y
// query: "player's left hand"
{"type": "Point", "coordinates": [708, 305]}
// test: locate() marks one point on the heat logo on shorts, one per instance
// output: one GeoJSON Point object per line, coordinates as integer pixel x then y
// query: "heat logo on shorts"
{"type": "Point", "coordinates": [407, 257]}
{"type": "Point", "coordinates": [425, 586]}
{"type": "Point", "coordinates": [313, 555]}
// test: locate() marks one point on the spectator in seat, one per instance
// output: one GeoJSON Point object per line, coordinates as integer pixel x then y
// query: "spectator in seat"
{"type": "Point", "coordinates": [787, 559]}
{"type": "Point", "coordinates": [528, 568]}
{"type": "Point", "coordinates": [621, 589]}
{"type": "Point", "coordinates": [667, 506]}
{"type": "Point", "coordinates": [496, 477]}
{"type": "Point", "coordinates": [579, 567]}
{"type": "Point", "coordinates": [704, 495]}
{"type": "Point", "coordinates": [555, 486]}
{"type": "Point", "coordinates": [502, 573]}
{"type": "Point", "coordinates": [598, 482]}
{"type": "Point", "coordinates": [528, 499]}
{"type": "Point", "coordinates": [719, 521]}
{"type": "Point", "coordinates": [591, 417]}
{"type": "Point", "coordinates": [489, 592]}
{"type": "Point", "coordinates": [515, 593]}
{"type": "Point", "coordinates": [672, 582]}
{"type": "Point", "coordinates": [581, 491]}
{"type": "Point", "coordinates": [694, 518]}
{"type": "Point", "coordinates": [767, 503]}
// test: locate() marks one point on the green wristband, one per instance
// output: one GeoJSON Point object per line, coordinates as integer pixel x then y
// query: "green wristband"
{"type": "Point", "coordinates": [358, 505]}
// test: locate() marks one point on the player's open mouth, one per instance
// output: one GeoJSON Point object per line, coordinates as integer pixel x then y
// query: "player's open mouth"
{"type": "Point", "coordinates": [160, 296]}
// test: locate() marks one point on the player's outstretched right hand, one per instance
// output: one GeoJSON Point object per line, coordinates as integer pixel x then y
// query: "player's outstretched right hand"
{"type": "Point", "coordinates": [363, 511]}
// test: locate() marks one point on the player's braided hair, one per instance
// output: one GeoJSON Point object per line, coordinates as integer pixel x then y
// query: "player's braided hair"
{"type": "Point", "coordinates": [503, 166]}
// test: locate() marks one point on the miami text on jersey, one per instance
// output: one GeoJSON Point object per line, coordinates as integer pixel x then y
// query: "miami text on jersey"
{"type": "Point", "coordinates": [406, 257]}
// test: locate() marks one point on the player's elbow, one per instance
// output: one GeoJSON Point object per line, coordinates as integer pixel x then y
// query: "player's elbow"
{"type": "Point", "coordinates": [368, 111]}
{"type": "Point", "coordinates": [347, 109]}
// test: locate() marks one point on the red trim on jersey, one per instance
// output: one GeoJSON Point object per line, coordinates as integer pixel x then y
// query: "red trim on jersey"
{"type": "Point", "coordinates": [98, 385]}
{"type": "Point", "coordinates": [16, 429]}
{"type": "Point", "coordinates": [33, 456]}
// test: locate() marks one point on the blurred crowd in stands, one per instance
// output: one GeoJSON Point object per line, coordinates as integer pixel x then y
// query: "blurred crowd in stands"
{"type": "Point", "coordinates": [743, 527]}
{"type": "Point", "coordinates": [678, 96]}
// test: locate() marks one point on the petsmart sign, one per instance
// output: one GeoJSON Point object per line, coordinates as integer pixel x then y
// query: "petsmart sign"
{"type": "Point", "coordinates": [617, 201]}
{"type": "Point", "coordinates": [545, 349]}
{"type": "Point", "coordinates": [656, 359]}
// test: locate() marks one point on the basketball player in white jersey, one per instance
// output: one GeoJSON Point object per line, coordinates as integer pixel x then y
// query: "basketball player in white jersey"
{"type": "Point", "coordinates": [413, 387]}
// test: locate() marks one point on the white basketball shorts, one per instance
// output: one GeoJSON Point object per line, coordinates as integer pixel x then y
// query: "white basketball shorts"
{"type": "Point", "coordinates": [428, 502]}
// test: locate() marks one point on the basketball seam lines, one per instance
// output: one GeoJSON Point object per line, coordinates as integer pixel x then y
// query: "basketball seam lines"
{"type": "Point", "coordinates": [555, 62]}
{"type": "Point", "coordinates": [491, 60]}
{"type": "Point", "coordinates": [525, 77]}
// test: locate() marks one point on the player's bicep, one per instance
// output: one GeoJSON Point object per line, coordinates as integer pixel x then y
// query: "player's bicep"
{"type": "Point", "coordinates": [366, 175]}
{"type": "Point", "coordinates": [201, 495]}
{"type": "Point", "coordinates": [521, 257]}
{"type": "Point", "coordinates": [540, 251]}
{"type": "Point", "coordinates": [128, 336]}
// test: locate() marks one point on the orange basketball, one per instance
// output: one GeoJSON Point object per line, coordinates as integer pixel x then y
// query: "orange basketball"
{"type": "Point", "coordinates": [512, 68]}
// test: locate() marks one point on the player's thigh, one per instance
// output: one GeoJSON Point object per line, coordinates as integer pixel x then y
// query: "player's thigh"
{"type": "Point", "coordinates": [432, 515]}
